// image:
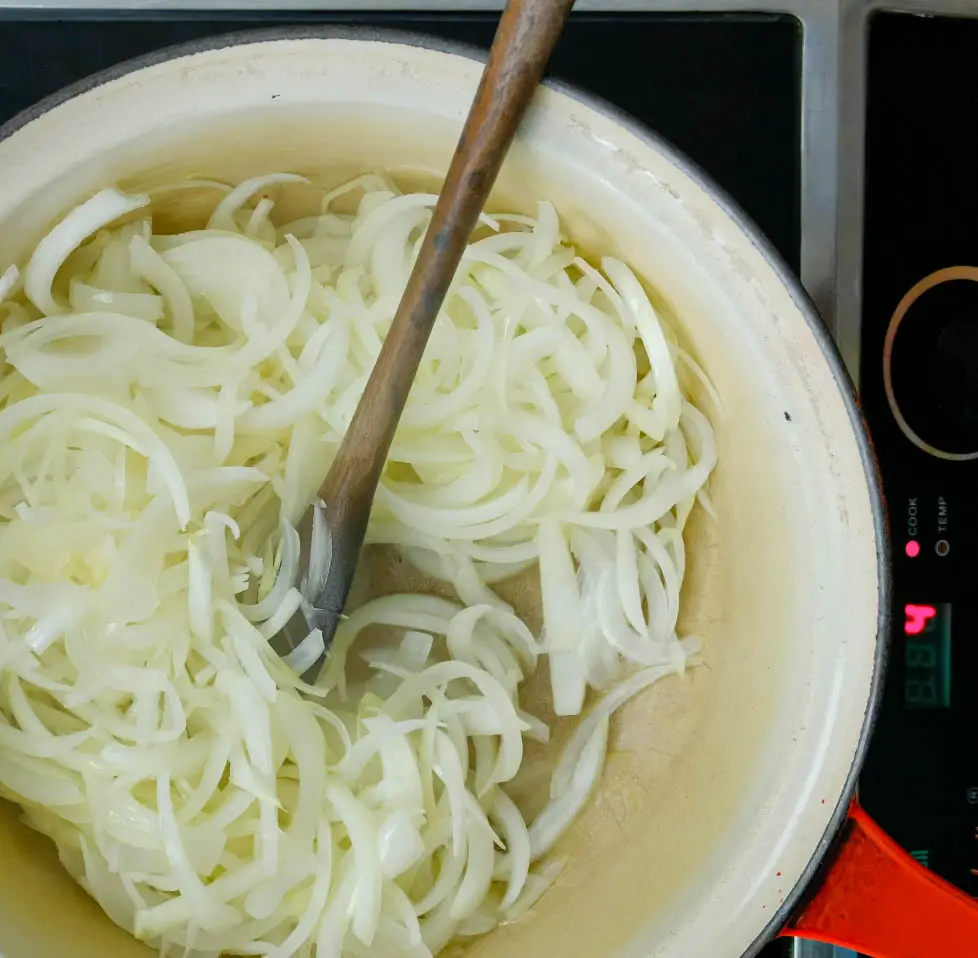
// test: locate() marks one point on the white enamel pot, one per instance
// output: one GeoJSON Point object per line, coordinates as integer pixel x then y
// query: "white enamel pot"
{"type": "Point", "coordinates": [726, 789]}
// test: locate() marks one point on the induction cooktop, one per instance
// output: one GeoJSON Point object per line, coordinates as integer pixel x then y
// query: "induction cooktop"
{"type": "Point", "coordinates": [846, 130]}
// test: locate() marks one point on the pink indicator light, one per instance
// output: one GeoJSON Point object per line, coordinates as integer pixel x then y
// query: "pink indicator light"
{"type": "Point", "coordinates": [912, 548]}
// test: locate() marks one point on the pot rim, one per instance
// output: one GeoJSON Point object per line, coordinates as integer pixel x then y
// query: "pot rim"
{"type": "Point", "coordinates": [819, 863]}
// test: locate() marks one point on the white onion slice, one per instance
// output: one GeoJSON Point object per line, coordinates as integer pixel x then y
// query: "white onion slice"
{"type": "Point", "coordinates": [570, 758]}
{"type": "Point", "coordinates": [223, 215]}
{"type": "Point", "coordinates": [78, 225]}
{"type": "Point", "coordinates": [9, 281]}
{"type": "Point", "coordinates": [148, 265]}
{"type": "Point", "coordinates": [557, 815]}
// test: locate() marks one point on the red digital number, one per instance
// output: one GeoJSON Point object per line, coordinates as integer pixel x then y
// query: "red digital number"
{"type": "Point", "coordinates": [917, 618]}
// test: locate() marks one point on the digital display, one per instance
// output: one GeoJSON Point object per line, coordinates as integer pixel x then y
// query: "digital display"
{"type": "Point", "coordinates": [927, 656]}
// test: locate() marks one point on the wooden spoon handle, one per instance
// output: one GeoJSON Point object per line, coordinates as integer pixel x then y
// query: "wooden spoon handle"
{"type": "Point", "coordinates": [524, 39]}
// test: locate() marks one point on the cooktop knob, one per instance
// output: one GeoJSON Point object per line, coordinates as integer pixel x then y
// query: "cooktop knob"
{"type": "Point", "coordinates": [930, 364]}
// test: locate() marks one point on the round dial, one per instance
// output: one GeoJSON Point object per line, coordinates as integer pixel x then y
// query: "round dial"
{"type": "Point", "coordinates": [930, 363]}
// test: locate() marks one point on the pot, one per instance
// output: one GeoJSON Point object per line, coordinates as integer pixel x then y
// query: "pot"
{"type": "Point", "coordinates": [726, 789]}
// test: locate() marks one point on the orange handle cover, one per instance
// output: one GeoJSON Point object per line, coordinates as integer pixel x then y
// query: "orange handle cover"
{"type": "Point", "coordinates": [878, 901]}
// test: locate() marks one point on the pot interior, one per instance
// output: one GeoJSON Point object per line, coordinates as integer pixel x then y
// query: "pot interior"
{"type": "Point", "coordinates": [721, 784]}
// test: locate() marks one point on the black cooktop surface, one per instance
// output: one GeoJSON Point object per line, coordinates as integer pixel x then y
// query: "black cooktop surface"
{"type": "Point", "coordinates": [724, 89]}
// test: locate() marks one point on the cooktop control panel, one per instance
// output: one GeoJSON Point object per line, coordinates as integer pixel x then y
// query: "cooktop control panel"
{"type": "Point", "coordinates": [919, 385]}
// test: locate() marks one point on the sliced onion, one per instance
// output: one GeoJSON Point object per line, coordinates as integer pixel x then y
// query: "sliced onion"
{"type": "Point", "coordinates": [223, 215]}
{"type": "Point", "coordinates": [571, 756]}
{"type": "Point", "coordinates": [190, 402]}
{"type": "Point", "coordinates": [148, 265]}
{"type": "Point", "coordinates": [557, 816]}
{"type": "Point", "coordinates": [78, 225]}
{"type": "Point", "coordinates": [8, 281]}
{"type": "Point", "coordinates": [307, 653]}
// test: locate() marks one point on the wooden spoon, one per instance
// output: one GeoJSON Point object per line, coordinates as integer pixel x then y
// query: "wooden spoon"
{"type": "Point", "coordinates": [524, 39]}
